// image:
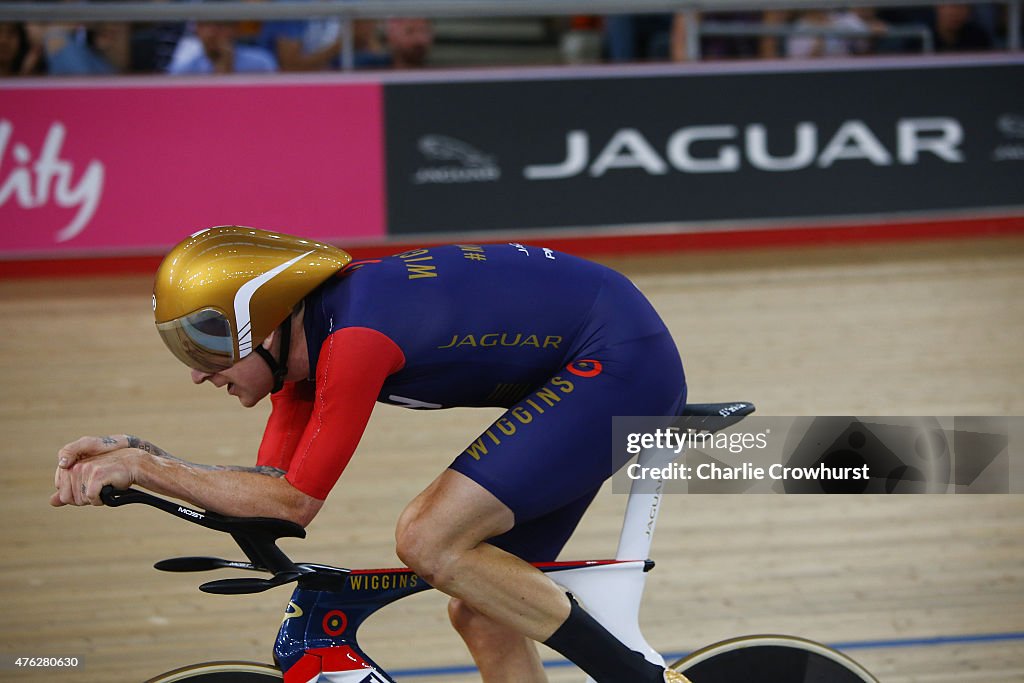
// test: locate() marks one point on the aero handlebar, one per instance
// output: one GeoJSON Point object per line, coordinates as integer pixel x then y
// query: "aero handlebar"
{"type": "Point", "coordinates": [256, 536]}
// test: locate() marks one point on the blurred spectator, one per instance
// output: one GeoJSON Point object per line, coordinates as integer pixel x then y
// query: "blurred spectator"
{"type": "Point", "coordinates": [186, 50]}
{"type": "Point", "coordinates": [638, 37]}
{"type": "Point", "coordinates": [903, 17]}
{"type": "Point", "coordinates": [221, 52]}
{"type": "Point", "coordinates": [369, 47]}
{"type": "Point", "coordinates": [315, 45]}
{"type": "Point", "coordinates": [861, 20]}
{"type": "Point", "coordinates": [581, 43]}
{"type": "Point", "coordinates": [409, 42]}
{"type": "Point", "coordinates": [303, 45]}
{"type": "Point", "coordinates": [771, 47]}
{"type": "Point", "coordinates": [153, 45]}
{"type": "Point", "coordinates": [248, 31]}
{"type": "Point", "coordinates": [988, 17]}
{"type": "Point", "coordinates": [19, 54]}
{"type": "Point", "coordinates": [726, 47]}
{"type": "Point", "coordinates": [112, 40]}
{"type": "Point", "coordinates": [956, 31]}
{"type": "Point", "coordinates": [94, 49]}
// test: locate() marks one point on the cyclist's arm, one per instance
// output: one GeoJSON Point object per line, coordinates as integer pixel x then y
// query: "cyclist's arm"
{"type": "Point", "coordinates": [292, 407]}
{"type": "Point", "coordinates": [353, 364]}
{"type": "Point", "coordinates": [259, 491]}
{"type": "Point", "coordinates": [90, 463]}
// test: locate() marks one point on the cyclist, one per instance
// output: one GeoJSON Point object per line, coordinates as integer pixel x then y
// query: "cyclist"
{"type": "Point", "coordinates": [561, 343]}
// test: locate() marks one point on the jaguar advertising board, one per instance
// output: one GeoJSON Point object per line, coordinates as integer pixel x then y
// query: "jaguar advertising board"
{"type": "Point", "coordinates": [129, 166]}
{"type": "Point", "coordinates": [711, 145]}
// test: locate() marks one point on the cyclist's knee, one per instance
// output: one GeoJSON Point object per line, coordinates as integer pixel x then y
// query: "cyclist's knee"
{"type": "Point", "coordinates": [418, 545]}
{"type": "Point", "coordinates": [440, 525]}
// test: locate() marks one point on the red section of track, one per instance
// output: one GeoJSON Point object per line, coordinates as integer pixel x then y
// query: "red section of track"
{"type": "Point", "coordinates": [600, 245]}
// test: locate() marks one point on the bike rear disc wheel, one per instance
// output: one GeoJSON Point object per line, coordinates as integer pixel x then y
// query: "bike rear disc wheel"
{"type": "Point", "coordinates": [771, 659]}
{"type": "Point", "coordinates": [222, 672]}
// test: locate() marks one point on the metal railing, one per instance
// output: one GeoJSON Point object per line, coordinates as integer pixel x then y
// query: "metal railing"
{"type": "Point", "coordinates": [350, 10]}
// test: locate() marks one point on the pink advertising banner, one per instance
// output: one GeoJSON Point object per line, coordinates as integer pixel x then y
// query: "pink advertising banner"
{"type": "Point", "coordinates": [109, 168]}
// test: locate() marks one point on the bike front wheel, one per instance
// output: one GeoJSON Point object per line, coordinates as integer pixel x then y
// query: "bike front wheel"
{"type": "Point", "coordinates": [222, 672]}
{"type": "Point", "coordinates": [771, 659]}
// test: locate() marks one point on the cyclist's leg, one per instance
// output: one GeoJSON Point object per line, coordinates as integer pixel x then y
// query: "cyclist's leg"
{"type": "Point", "coordinates": [441, 539]}
{"type": "Point", "coordinates": [552, 447]}
{"type": "Point", "coordinates": [500, 653]}
{"type": "Point", "coordinates": [441, 535]}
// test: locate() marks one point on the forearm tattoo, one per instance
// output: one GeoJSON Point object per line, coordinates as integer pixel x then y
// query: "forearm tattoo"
{"type": "Point", "coordinates": [143, 445]}
{"type": "Point", "coordinates": [136, 442]}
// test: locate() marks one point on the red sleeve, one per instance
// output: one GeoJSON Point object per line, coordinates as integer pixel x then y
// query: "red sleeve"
{"type": "Point", "coordinates": [353, 364]}
{"type": "Point", "coordinates": [291, 408]}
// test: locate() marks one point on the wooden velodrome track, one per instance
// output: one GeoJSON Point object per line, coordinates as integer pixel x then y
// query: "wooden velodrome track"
{"type": "Point", "coordinates": [918, 586]}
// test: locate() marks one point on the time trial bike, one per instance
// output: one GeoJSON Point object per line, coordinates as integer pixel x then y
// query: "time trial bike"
{"type": "Point", "coordinates": [318, 639]}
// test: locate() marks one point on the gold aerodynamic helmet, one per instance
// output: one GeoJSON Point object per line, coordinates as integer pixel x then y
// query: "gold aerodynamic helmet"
{"type": "Point", "coordinates": [221, 292]}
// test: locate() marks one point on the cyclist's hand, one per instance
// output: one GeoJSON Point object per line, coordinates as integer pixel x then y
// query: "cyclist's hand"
{"type": "Point", "coordinates": [85, 466]}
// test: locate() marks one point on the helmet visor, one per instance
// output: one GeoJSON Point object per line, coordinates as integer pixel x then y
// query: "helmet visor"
{"type": "Point", "coordinates": [201, 340]}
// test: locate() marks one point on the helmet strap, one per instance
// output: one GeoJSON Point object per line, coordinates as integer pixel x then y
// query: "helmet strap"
{"type": "Point", "coordinates": [279, 366]}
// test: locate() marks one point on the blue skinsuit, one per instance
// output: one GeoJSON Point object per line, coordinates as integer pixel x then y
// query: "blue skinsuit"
{"type": "Point", "coordinates": [562, 343]}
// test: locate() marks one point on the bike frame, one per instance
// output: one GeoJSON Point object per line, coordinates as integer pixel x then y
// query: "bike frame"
{"type": "Point", "coordinates": [318, 640]}
{"type": "Point", "coordinates": [318, 637]}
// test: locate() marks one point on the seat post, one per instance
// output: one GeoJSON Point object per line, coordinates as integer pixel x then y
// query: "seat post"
{"type": "Point", "coordinates": [645, 494]}
{"type": "Point", "coordinates": [642, 508]}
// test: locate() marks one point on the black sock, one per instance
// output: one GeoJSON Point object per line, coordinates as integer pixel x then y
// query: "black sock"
{"type": "Point", "coordinates": [590, 646]}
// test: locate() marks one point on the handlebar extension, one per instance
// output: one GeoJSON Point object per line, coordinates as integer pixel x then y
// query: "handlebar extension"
{"type": "Point", "coordinates": [256, 536]}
